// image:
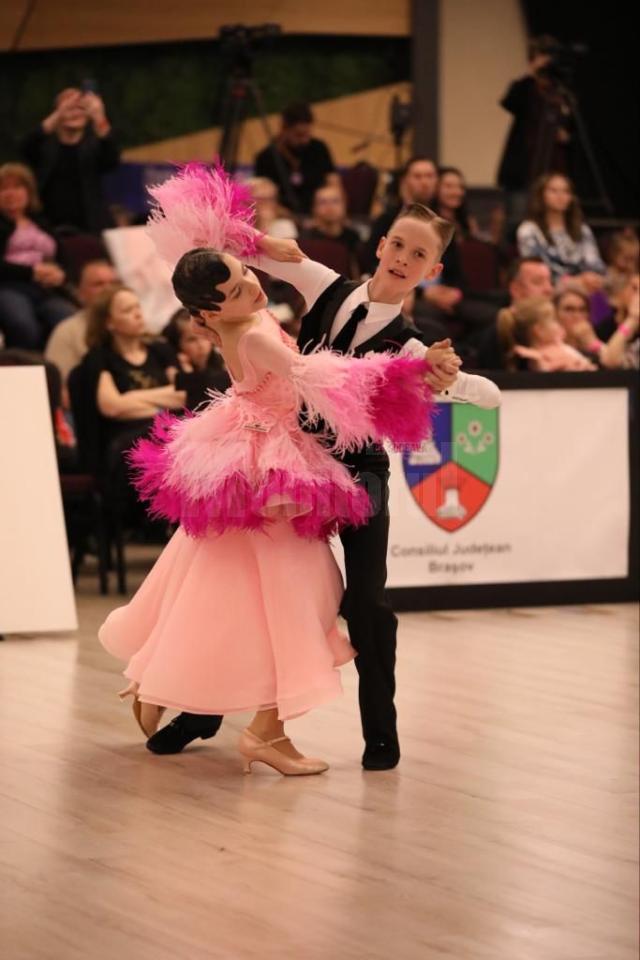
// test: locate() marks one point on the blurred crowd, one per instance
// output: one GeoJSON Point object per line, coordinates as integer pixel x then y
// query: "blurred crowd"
{"type": "Point", "coordinates": [538, 293]}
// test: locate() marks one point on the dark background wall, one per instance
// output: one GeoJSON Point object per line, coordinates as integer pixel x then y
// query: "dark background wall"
{"type": "Point", "coordinates": [606, 82]}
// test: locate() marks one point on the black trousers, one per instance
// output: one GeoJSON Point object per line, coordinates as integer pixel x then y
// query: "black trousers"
{"type": "Point", "coordinates": [365, 607]}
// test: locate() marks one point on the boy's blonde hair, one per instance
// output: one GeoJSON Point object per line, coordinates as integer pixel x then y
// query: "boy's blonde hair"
{"type": "Point", "coordinates": [444, 229]}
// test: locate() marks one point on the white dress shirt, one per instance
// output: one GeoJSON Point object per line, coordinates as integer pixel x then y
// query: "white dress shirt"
{"type": "Point", "coordinates": [311, 279]}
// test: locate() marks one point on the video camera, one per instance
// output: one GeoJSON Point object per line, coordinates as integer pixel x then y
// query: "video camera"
{"type": "Point", "coordinates": [239, 35]}
{"type": "Point", "coordinates": [563, 59]}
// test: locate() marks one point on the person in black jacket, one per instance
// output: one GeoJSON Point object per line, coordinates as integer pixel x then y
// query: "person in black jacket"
{"type": "Point", "coordinates": [539, 139]}
{"type": "Point", "coordinates": [70, 151]}
{"type": "Point", "coordinates": [31, 301]}
{"type": "Point", "coordinates": [297, 162]}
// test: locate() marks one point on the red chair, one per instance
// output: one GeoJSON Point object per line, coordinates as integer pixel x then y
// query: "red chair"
{"type": "Point", "coordinates": [328, 252]}
{"type": "Point", "coordinates": [480, 262]}
{"type": "Point", "coordinates": [360, 182]}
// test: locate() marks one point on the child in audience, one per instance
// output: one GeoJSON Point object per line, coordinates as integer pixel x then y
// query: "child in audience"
{"type": "Point", "coordinates": [530, 330]}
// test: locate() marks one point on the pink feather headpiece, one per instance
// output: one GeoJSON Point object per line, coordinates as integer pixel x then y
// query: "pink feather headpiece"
{"type": "Point", "coordinates": [201, 206]}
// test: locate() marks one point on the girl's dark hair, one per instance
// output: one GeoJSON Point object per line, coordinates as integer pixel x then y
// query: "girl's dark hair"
{"type": "Point", "coordinates": [462, 213]}
{"type": "Point", "coordinates": [195, 278]}
{"type": "Point", "coordinates": [573, 218]}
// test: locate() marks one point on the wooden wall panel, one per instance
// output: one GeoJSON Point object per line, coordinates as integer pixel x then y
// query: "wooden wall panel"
{"type": "Point", "coordinates": [12, 13]}
{"type": "Point", "coordinates": [53, 25]}
{"type": "Point", "coordinates": [355, 127]}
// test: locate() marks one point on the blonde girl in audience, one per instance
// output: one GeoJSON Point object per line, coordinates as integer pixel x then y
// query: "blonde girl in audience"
{"type": "Point", "coordinates": [530, 330]}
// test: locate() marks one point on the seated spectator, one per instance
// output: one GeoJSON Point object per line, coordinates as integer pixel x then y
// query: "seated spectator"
{"type": "Point", "coordinates": [622, 348]}
{"type": "Point", "coordinates": [530, 331]}
{"type": "Point", "coordinates": [67, 344]}
{"type": "Point", "coordinates": [613, 343]}
{"type": "Point", "coordinates": [295, 161]}
{"type": "Point", "coordinates": [128, 379]}
{"type": "Point", "coordinates": [557, 233]}
{"type": "Point", "coordinates": [329, 222]}
{"type": "Point", "coordinates": [622, 258]}
{"type": "Point", "coordinates": [199, 366]}
{"type": "Point", "coordinates": [69, 152]}
{"type": "Point", "coordinates": [32, 300]}
{"type": "Point", "coordinates": [528, 277]}
{"type": "Point", "coordinates": [451, 203]}
{"type": "Point", "coordinates": [572, 311]}
{"type": "Point", "coordinates": [418, 184]}
{"type": "Point", "coordinates": [268, 214]}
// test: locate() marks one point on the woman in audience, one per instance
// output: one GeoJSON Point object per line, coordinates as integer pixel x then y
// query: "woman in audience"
{"type": "Point", "coordinates": [614, 344]}
{"type": "Point", "coordinates": [529, 331]}
{"type": "Point", "coordinates": [200, 366]}
{"type": "Point", "coordinates": [556, 232]}
{"type": "Point", "coordinates": [622, 349]}
{"type": "Point", "coordinates": [451, 203]}
{"type": "Point", "coordinates": [129, 378]}
{"type": "Point", "coordinates": [31, 301]}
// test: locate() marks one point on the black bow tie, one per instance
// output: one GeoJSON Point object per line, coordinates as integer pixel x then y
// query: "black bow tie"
{"type": "Point", "coordinates": [342, 341]}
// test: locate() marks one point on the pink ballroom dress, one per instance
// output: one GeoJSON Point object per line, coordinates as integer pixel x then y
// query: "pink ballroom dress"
{"type": "Point", "coordinates": [240, 610]}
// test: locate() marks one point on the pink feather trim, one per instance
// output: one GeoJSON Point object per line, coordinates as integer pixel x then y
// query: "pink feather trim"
{"type": "Point", "coordinates": [380, 396]}
{"type": "Point", "coordinates": [402, 410]}
{"type": "Point", "coordinates": [202, 206]}
{"type": "Point", "coordinates": [318, 508]}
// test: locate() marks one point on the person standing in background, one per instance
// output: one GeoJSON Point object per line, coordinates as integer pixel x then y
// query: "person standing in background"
{"type": "Point", "coordinates": [69, 152]}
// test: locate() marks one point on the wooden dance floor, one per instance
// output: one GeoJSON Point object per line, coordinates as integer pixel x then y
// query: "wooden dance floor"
{"type": "Point", "coordinates": [509, 831]}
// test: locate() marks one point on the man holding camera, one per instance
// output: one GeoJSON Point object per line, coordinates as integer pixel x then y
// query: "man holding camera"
{"type": "Point", "coordinates": [540, 136]}
{"type": "Point", "coordinates": [69, 152]}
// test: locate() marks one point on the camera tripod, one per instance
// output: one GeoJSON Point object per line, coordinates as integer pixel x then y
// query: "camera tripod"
{"type": "Point", "coordinates": [240, 92]}
{"type": "Point", "coordinates": [547, 139]}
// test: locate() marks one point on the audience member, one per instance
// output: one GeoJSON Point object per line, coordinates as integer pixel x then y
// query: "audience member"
{"type": "Point", "coordinates": [540, 137]}
{"type": "Point", "coordinates": [418, 184]}
{"type": "Point", "coordinates": [530, 331]}
{"type": "Point", "coordinates": [200, 368]}
{"type": "Point", "coordinates": [329, 222]}
{"type": "Point", "coordinates": [32, 301]}
{"type": "Point", "coordinates": [451, 203]}
{"type": "Point", "coordinates": [615, 342]}
{"type": "Point", "coordinates": [128, 378]}
{"type": "Point", "coordinates": [269, 216]}
{"type": "Point", "coordinates": [67, 344]}
{"type": "Point", "coordinates": [296, 161]}
{"type": "Point", "coordinates": [529, 277]}
{"type": "Point", "coordinates": [556, 232]}
{"type": "Point", "coordinates": [622, 257]}
{"type": "Point", "coordinates": [69, 152]}
{"type": "Point", "coordinates": [572, 311]}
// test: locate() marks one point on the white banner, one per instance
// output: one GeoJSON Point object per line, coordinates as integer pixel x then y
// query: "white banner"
{"type": "Point", "coordinates": [36, 592]}
{"type": "Point", "coordinates": [536, 491]}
